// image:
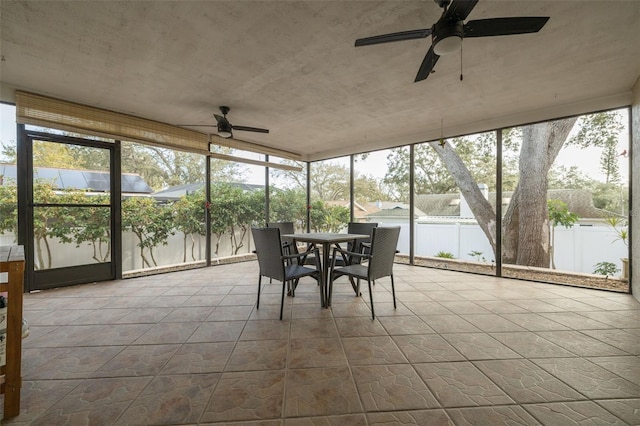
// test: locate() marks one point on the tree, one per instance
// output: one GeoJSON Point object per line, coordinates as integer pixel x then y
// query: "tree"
{"type": "Point", "coordinates": [8, 208]}
{"type": "Point", "coordinates": [8, 152]}
{"type": "Point", "coordinates": [467, 185]}
{"type": "Point", "coordinates": [525, 232]}
{"type": "Point", "coordinates": [150, 222]}
{"type": "Point", "coordinates": [43, 219]}
{"type": "Point", "coordinates": [95, 228]}
{"type": "Point", "coordinates": [367, 189]}
{"type": "Point", "coordinates": [526, 221]}
{"type": "Point", "coordinates": [325, 218]}
{"type": "Point", "coordinates": [188, 218]}
{"type": "Point", "coordinates": [83, 224]}
{"type": "Point", "coordinates": [248, 209]}
{"type": "Point", "coordinates": [226, 209]}
{"type": "Point", "coordinates": [432, 175]}
{"type": "Point", "coordinates": [329, 181]}
{"type": "Point", "coordinates": [601, 130]}
{"type": "Point", "coordinates": [161, 167]}
{"type": "Point", "coordinates": [562, 177]}
{"type": "Point", "coordinates": [288, 205]}
{"type": "Point", "coordinates": [335, 218]}
{"type": "Point", "coordinates": [317, 215]}
{"type": "Point", "coordinates": [559, 214]}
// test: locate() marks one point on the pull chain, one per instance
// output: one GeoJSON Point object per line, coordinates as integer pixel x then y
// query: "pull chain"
{"type": "Point", "coordinates": [461, 62]}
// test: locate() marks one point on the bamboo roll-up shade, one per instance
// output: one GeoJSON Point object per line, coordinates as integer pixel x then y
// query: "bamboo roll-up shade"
{"type": "Point", "coordinates": [255, 162]}
{"type": "Point", "coordinates": [253, 147]}
{"type": "Point", "coordinates": [43, 111]}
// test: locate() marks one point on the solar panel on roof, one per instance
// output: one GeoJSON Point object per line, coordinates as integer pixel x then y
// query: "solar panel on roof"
{"type": "Point", "coordinates": [9, 173]}
{"type": "Point", "coordinates": [135, 184]}
{"type": "Point", "coordinates": [97, 181]}
{"type": "Point", "coordinates": [48, 174]}
{"type": "Point", "coordinates": [79, 179]}
{"type": "Point", "coordinates": [72, 179]}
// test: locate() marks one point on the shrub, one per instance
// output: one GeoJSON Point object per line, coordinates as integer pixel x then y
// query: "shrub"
{"type": "Point", "coordinates": [605, 268]}
{"type": "Point", "coordinates": [445, 255]}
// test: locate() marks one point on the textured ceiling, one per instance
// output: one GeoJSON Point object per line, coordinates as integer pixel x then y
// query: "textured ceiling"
{"type": "Point", "coordinates": [291, 66]}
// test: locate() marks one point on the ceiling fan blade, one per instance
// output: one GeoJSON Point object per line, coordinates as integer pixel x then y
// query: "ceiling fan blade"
{"type": "Point", "coordinates": [427, 65]}
{"type": "Point", "coordinates": [196, 125]}
{"type": "Point", "coordinates": [388, 38]}
{"type": "Point", "coordinates": [504, 26]}
{"type": "Point", "coordinates": [459, 10]}
{"type": "Point", "coordinates": [250, 129]}
{"type": "Point", "coordinates": [220, 119]}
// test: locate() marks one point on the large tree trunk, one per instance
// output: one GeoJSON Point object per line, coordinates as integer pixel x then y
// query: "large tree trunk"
{"type": "Point", "coordinates": [525, 239]}
{"type": "Point", "coordinates": [526, 222]}
{"type": "Point", "coordinates": [479, 205]}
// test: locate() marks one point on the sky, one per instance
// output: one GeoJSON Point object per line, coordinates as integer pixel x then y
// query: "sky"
{"type": "Point", "coordinates": [376, 164]}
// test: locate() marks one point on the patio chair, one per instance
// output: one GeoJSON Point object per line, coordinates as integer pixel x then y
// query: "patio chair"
{"type": "Point", "coordinates": [379, 265]}
{"type": "Point", "coordinates": [287, 243]}
{"type": "Point", "coordinates": [279, 266]}
{"type": "Point", "coordinates": [285, 228]}
{"type": "Point", "coordinates": [362, 245]}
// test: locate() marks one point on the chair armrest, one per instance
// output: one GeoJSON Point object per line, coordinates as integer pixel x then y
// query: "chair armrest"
{"type": "Point", "coordinates": [351, 253]}
{"type": "Point", "coordinates": [303, 254]}
{"type": "Point", "coordinates": [348, 256]}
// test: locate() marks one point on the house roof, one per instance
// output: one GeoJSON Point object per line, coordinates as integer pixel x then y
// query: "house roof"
{"type": "Point", "coordinates": [579, 201]}
{"type": "Point", "coordinates": [175, 192]}
{"type": "Point", "coordinates": [360, 210]}
{"type": "Point", "coordinates": [390, 209]}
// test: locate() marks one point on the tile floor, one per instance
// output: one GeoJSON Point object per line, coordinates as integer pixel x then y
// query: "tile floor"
{"type": "Point", "coordinates": [190, 348]}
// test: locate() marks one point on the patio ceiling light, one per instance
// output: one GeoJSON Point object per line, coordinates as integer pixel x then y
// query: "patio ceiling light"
{"type": "Point", "coordinates": [448, 40]}
{"type": "Point", "coordinates": [224, 129]}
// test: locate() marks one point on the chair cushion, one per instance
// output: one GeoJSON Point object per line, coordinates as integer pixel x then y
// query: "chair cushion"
{"type": "Point", "coordinates": [358, 271]}
{"type": "Point", "coordinates": [294, 271]}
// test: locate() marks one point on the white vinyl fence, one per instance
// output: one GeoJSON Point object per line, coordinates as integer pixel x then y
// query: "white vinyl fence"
{"type": "Point", "coordinates": [577, 249]}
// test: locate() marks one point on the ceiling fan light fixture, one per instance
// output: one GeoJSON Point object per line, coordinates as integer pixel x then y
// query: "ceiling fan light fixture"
{"type": "Point", "coordinates": [447, 46]}
{"type": "Point", "coordinates": [447, 37]}
{"type": "Point", "coordinates": [224, 130]}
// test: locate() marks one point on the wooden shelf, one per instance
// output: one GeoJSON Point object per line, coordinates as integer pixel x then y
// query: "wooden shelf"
{"type": "Point", "coordinates": [12, 263]}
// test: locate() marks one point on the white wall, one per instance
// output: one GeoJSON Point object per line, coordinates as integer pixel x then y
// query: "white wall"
{"type": "Point", "coordinates": [578, 249]}
{"type": "Point", "coordinates": [171, 254]}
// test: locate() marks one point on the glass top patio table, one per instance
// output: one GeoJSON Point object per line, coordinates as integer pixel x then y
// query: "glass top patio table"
{"type": "Point", "coordinates": [326, 239]}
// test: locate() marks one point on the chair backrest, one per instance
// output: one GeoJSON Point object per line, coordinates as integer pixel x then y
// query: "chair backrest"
{"type": "Point", "coordinates": [383, 251]}
{"type": "Point", "coordinates": [284, 227]}
{"type": "Point", "coordinates": [269, 251]}
{"type": "Point", "coordinates": [361, 228]}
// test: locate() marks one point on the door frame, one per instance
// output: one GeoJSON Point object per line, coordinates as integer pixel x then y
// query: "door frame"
{"type": "Point", "coordinates": [80, 274]}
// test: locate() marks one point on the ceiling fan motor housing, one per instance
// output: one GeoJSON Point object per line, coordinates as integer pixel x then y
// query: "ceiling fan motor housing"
{"type": "Point", "coordinates": [447, 36]}
{"type": "Point", "coordinates": [442, 3]}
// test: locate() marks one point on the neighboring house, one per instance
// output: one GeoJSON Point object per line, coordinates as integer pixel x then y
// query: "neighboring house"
{"type": "Point", "coordinates": [174, 193]}
{"type": "Point", "coordinates": [453, 206]}
{"type": "Point", "coordinates": [360, 211]}
{"type": "Point", "coordinates": [389, 211]}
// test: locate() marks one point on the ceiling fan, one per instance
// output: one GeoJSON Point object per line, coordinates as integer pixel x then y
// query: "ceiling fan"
{"type": "Point", "coordinates": [448, 32]}
{"type": "Point", "coordinates": [225, 129]}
